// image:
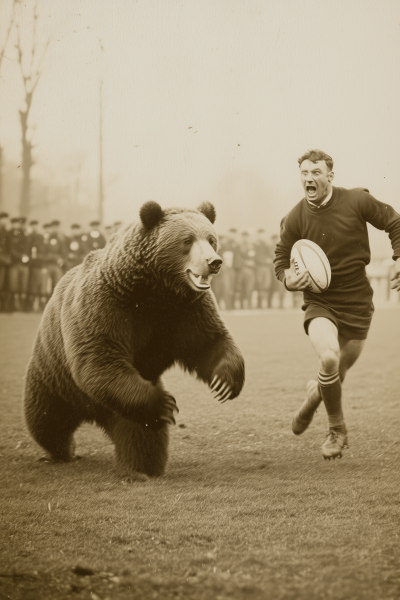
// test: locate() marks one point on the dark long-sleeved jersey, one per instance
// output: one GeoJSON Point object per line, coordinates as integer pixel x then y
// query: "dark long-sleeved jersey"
{"type": "Point", "coordinates": [340, 229]}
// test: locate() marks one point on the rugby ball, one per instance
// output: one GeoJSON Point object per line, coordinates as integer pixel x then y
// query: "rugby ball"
{"type": "Point", "coordinates": [309, 256]}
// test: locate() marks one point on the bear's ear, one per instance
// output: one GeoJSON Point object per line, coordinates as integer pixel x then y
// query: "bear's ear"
{"type": "Point", "coordinates": [151, 214]}
{"type": "Point", "coordinates": [208, 210]}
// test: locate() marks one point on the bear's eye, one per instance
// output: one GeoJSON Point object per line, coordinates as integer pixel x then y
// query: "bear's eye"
{"type": "Point", "coordinates": [212, 241]}
{"type": "Point", "coordinates": [188, 241]}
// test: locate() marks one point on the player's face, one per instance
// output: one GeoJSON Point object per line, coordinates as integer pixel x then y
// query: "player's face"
{"type": "Point", "coordinates": [316, 180]}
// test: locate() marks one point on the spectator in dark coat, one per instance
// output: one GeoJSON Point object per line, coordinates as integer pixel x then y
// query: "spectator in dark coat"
{"type": "Point", "coordinates": [77, 246]}
{"type": "Point", "coordinates": [264, 268]}
{"type": "Point", "coordinates": [230, 254]}
{"type": "Point", "coordinates": [276, 285]}
{"type": "Point", "coordinates": [5, 262]}
{"type": "Point", "coordinates": [55, 256]}
{"type": "Point", "coordinates": [37, 270]}
{"type": "Point", "coordinates": [96, 239]}
{"type": "Point", "coordinates": [247, 274]}
{"type": "Point", "coordinates": [19, 269]}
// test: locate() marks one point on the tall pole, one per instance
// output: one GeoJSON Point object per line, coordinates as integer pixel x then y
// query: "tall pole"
{"type": "Point", "coordinates": [1, 177]}
{"type": "Point", "coordinates": [101, 187]}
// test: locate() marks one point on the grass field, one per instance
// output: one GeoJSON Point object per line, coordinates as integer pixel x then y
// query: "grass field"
{"type": "Point", "coordinates": [246, 511]}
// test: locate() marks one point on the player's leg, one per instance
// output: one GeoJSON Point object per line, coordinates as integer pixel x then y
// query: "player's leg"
{"type": "Point", "coordinates": [303, 417]}
{"type": "Point", "coordinates": [350, 350]}
{"type": "Point", "coordinates": [324, 337]}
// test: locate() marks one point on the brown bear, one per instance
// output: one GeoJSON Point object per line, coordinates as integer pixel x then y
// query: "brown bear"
{"type": "Point", "coordinates": [115, 323]}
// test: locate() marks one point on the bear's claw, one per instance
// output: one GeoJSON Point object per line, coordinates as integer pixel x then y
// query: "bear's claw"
{"type": "Point", "coordinates": [167, 413]}
{"type": "Point", "coordinates": [223, 390]}
{"type": "Point", "coordinates": [171, 403]}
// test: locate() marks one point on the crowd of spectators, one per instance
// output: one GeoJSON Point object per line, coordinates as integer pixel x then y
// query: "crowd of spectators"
{"type": "Point", "coordinates": [34, 257]}
{"type": "Point", "coordinates": [247, 279]}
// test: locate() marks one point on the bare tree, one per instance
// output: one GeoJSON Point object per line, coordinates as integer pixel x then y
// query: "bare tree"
{"type": "Point", "coordinates": [31, 53]}
{"type": "Point", "coordinates": [3, 47]}
{"type": "Point", "coordinates": [4, 42]}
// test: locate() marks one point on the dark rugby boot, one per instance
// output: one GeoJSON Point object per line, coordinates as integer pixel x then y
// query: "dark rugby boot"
{"type": "Point", "coordinates": [304, 416]}
{"type": "Point", "coordinates": [335, 442]}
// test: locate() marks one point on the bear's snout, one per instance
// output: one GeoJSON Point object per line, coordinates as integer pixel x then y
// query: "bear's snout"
{"type": "Point", "coordinates": [214, 265]}
{"type": "Point", "coordinates": [203, 262]}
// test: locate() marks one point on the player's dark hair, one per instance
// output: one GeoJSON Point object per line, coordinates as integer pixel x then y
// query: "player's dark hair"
{"type": "Point", "coordinates": [316, 155]}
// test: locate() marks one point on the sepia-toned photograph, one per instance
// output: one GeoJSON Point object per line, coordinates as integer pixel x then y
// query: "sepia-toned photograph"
{"type": "Point", "coordinates": [199, 300]}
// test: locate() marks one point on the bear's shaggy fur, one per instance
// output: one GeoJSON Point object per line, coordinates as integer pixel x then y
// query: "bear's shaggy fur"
{"type": "Point", "coordinates": [115, 323]}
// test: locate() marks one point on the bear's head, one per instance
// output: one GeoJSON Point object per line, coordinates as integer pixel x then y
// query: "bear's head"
{"type": "Point", "coordinates": [180, 245]}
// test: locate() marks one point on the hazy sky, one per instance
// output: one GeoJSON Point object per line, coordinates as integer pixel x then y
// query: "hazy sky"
{"type": "Point", "coordinates": [214, 99]}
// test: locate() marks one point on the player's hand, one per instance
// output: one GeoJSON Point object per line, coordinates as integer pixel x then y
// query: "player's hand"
{"type": "Point", "coordinates": [396, 279]}
{"type": "Point", "coordinates": [295, 282]}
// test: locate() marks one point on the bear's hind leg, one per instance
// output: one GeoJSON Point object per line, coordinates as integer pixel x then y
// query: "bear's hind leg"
{"type": "Point", "coordinates": [138, 448]}
{"type": "Point", "coordinates": [52, 423]}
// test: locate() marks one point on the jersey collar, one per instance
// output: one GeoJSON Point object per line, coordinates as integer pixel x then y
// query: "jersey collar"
{"type": "Point", "coordinates": [324, 203]}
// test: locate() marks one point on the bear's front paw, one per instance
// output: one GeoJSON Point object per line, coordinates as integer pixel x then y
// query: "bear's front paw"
{"type": "Point", "coordinates": [163, 411]}
{"type": "Point", "coordinates": [167, 409]}
{"type": "Point", "coordinates": [227, 380]}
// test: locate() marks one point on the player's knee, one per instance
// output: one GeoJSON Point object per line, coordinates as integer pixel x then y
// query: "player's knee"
{"type": "Point", "coordinates": [329, 361]}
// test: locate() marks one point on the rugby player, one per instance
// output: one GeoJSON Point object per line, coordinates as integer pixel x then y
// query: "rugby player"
{"type": "Point", "coordinates": [337, 320]}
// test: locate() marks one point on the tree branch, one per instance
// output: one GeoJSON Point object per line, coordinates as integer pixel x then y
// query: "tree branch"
{"type": "Point", "coordinates": [3, 47]}
{"type": "Point", "coordinates": [31, 78]}
{"type": "Point", "coordinates": [30, 59]}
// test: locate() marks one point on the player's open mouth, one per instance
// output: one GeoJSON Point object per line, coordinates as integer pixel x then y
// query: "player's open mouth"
{"type": "Point", "coordinates": [311, 191]}
{"type": "Point", "coordinates": [201, 282]}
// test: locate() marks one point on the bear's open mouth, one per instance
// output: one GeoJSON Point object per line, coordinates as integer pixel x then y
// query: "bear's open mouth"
{"type": "Point", "coordinates": [201, 282]}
